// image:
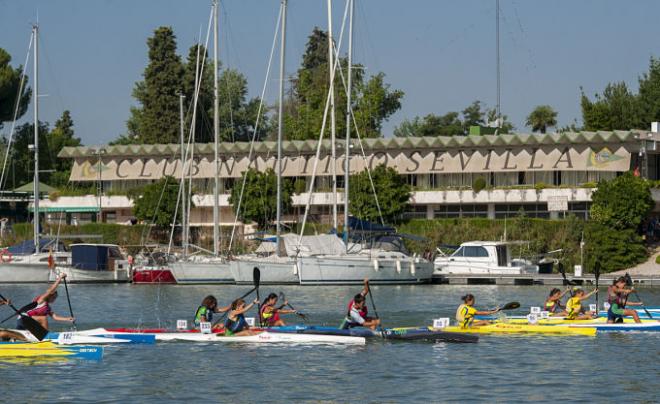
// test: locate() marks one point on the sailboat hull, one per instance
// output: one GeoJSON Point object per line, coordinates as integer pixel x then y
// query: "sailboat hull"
{"type": "Point", "coordinates": [343, 270]}
{"type": "Point", "coordinates": [15, 272]}
{"type": "Point", "coordinates": [189, 272]}
{"type": "Point", "coordinates": [274, 271]}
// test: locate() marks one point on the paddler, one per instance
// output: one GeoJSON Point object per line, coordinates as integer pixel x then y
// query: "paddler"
{"type": "Point", "coordinates": [466, 312]}
{"type": "Point", "coordinates": [553, 302]}
{"type": "Point", "coordinates": [617, 296]}
{"type": "Point", "coordinates": [205, 311]}
{"type": "Point", "coordinates": [43, 309]}
{"type": "Point", "coordinates": [270, 315]}
{"type": "Point", "coordinates": [574, 305]}
{"type": "Point", "coordinates": [236, 324]}
{"type": "Point", "coordinates": [357, 313]}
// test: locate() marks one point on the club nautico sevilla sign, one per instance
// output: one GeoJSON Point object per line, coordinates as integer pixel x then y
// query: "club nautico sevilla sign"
{"type": "Point", "coordinates": [544, 158]}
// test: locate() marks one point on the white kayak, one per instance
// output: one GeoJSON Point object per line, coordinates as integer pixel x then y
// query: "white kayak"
{"type": "Point", "coordinates": [263, 337]}
{"type": "Point", "coordinates": [69, 338]}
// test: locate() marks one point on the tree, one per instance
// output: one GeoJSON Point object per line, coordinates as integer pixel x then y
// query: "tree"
{"type": "Point", "coordinates": [191, 70]}
{"type": "Point", "coordinates": [373, 100]}
{"type": "Point", "coordinates": [10, 80]}
{"type": "Point", "coordinates": [259, 202]}
{"type": "Point", "coordinates": [391, 189]}
{"type": "Point", "coordinates": [157, 119]}
{"type": "Point", "coordinates": [157, 202]}
{"type": "Point", "coordinates": [238, 116]}
{"type": "Point", "coordinates": [541, 118]}
{"type": "Point", "coordinates": [616, 109]}
{"type": "Point", "coordinates": [21, 164]}
{"type": "Point", "coordinates": [622, 203]}
{"type": "Point", "coordinates": [649, 94]}
{"type": "Point", "coordinates": [613, 249]}
{"type": "Point", "coordinates": [61, 136]}
{"type": "Point", "coordinates": [505, 125]}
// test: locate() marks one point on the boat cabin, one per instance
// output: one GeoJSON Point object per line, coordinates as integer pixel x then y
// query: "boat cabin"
{"type": "Point", "coordinates": [483, 257]}
{"type": "Point", "coordinates": [96, 257]}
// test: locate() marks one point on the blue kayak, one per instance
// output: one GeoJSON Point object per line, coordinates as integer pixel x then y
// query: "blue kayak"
{"type": "Point", "coordinates": [400, 334]}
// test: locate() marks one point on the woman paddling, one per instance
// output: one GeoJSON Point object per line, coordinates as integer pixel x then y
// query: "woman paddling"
{"type": "Point", "coordinates": [43, 309]}
{"type": "Point", "coordinates": [617, 296]}
{"type": "Point", "coordinates": [466, 312]}
{"type": "Point", "coordinates": [553, 302]}
{"type": "Point", "coordinates": [236, 324]}
{"type": "Point", "coordinates": [574, 305]}
{"type": "Point", "coordinates": [270, 314]}
{"type": "Point", "coordinates": [358, 314]}
{"type": "Point", "coordinates": [204, 313]}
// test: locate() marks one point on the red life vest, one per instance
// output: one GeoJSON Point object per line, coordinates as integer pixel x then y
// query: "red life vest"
{"type": "Point", "coordinates": [363, 312]}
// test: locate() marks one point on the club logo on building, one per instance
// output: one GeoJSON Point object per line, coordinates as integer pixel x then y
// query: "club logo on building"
{"type": "Point", "coordinates": [91, 171]}
{"type": "Point", "coordinates": [602, 158]}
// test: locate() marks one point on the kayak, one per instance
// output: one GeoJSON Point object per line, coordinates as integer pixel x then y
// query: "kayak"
{"type": "Point", "coordinates": [133, 338]}
{"type": "Point", "coordinates": [504, 328]}
{"type": "Point", "coordinates": [43, 349]}
{"type": "Point", "coordinates": [399, 334]}
{"type": "Point", "coordinates": [262, 337]}
{"type": "Point", "coordinates": [621, 327]}
{"type": "Point", "coordinates": [565, 321]}
{"type": "Point", "coordinates": [69, 338]}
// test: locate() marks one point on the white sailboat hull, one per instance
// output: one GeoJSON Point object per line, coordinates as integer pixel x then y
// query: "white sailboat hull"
{"type": "Point", "coordinates": [190, 272]}
{"type": "Point", "coordinates": [75, 275]}
{"type": "Point", "coordinates": [15, 272]}
{"type": "Point", "coordinates": [343, 270]}
{"type": "Point", "coordinates": [274, 270]}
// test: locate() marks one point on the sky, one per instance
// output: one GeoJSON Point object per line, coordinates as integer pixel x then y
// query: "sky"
{"type": "Point", "coordinates": [440, 53]}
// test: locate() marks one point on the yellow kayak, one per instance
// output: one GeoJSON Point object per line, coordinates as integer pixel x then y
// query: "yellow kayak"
{"type": "Point", "coordinates": [504, 328]}
{"type": "Point", "coordinates": [562, 321]}
{"type": "Point", "coordinates": [47, 349]}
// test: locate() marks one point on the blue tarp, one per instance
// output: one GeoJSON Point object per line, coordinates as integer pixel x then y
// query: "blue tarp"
{"type": "Point", "coordinates": [364, 225]}
{"type": "Point", "coordinates": [89, 256]}
{"type": "Point", "coordinates": [27, 246]}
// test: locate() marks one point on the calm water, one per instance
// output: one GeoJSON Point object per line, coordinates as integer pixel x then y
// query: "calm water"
{"type": "Point", "coordinates": [609, 367]}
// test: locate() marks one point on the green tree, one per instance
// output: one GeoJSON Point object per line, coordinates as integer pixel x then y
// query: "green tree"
{"type": "Point", "coordinates": [391, 188]}
{"type": "Point", "coordinates": [473, 115]}
{"type": "Point", "coordinates": [10, 80]}
{"type": "Point", "coordinates": [238, 115]}
{"type": "Point", "coordinates": [613, 249]}
{"type": "Point", "coordinates": [621, 203]}
{"type": "Point", "coordinates": [542, 117]}
{"type": "Point", "coordinates": [373, 100]}
{"type": "Point", "coordinates": [157, 202]}
{"type": "Point", "coordinates": [616, 109]}
{"type": "Point", "coordinates": [21, 163]}
{"type": "Point", "coordinates": [157, 118]}
{"type": "Point", "coordinates": [191, 69]}
{"type": "Point", "coordinates": [649, 95]}
{"type": "Point", "coordinates": [61, 136]}
{"type": "Point", "coordinates": [506, 125]}
{"type": "Point", "coordinates": [259, 203]}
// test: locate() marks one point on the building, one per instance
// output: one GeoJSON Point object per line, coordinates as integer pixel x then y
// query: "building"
{"type": "Point", "coordinates": [546, 175]}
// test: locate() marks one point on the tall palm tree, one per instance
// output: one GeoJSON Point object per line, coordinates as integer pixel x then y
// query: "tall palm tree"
{"type": "Point", "coordinates": [542, 117]}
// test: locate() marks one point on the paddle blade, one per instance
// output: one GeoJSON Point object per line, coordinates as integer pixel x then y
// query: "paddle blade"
{"type": "Point", "coordinates": [23, 309]}
{"type": "Point", "coordinates": [256, 277]}
{"type": "Point", "coordinates": [629, 281]}
{"type": "Point", "coordinates": [510, 306]}
{"type": "Point", "coordinates": [34, 327]}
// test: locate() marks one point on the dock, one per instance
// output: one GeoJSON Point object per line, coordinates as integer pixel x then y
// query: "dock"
{"type": "Point", "coordinates": [536, 279]}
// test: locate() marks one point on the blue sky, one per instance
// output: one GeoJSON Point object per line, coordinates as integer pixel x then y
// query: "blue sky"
{"type": "Point", "coordinates": [440, 53]}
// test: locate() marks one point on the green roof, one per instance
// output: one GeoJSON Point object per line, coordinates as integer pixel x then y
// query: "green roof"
{"type": "Point", "coordinates": [29, 187]}
{"type": "Point", "coordinates": [396, 143]}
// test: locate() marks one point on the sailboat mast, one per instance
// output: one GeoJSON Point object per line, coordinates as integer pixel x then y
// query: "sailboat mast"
{"type": "Point", "coordinates": [35, 99]}
{"type": "Point", "coordinates": [280, 122]}
{"type": "Point", "coordinates": [332, 118]}
{"type": "Point", "coordinates": [182, 132]}
{"type": "Point", "coordinates": [347, 148]}
{"type": "Point", "coordinates": [216, 132]}
{"type": "Point", "coordinates": [497, 57]}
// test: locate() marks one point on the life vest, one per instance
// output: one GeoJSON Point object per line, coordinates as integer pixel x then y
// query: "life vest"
{"type": "Point", "coordinates": [553, 306]}
{"type": "Point", "coordinates": [364, 312]}
{"type": "Point", "coordinates": [617, 298]}
{"type": "Point", "coordinates": [465, 315]}
{"type": "Point", "coordinates": [203, 311]}
{"type": "Point", "coordinates": [271, 317]}
{"type": "Point", "coordinates": [237, 325]}
{"type": "Point", "coordinates": [42, 310]}
{"type": "Point", "coordinates": [573, 306]}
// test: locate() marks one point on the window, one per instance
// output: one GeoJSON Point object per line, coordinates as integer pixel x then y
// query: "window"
{"type": "Point", "coordinates": [475, 252]}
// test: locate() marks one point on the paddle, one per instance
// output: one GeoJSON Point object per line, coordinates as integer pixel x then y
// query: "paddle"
{"type": "Point", "coordinates": [283, 298]}
{"type": "Point", "coordinates": [23, 309]}
{"type": "Point", "coordinates": [371, 297]}
{"type": "Point", "coordinates": [509, 306]}
{"type": "Point", "coordinates": [597, 275]}
{"type": "Point", "coordinates": [560, 268]}
{"type": "Point", "coordinates": [68, 299]}
{"type": "Point", "coordinates": [629, 282]}
{"type": "Point", "coordinates": [29, 323]}
{"type": "Point", "coordinates": [256, 277]}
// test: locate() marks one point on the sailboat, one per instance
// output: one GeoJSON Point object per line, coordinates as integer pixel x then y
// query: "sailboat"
{"type": "Point", "coordinates": [27, 262]}
{"type": "Point", "coordinates": [382, 257]}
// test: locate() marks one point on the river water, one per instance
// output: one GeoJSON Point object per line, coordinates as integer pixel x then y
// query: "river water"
{"type": "Point", "coordinates": [606, 368]}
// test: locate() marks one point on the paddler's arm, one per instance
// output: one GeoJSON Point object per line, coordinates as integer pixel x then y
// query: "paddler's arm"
{"type": "Point", "coordinates": [61, 318]}
{"type": "Point", "coordinates": [51, 289]}
{"type": "Point", "coordinates": [222, 309]}
{"type": "Point", "coordinates": [588, 295]}
{"type": "Point", "coordinates": [365, 290]}
{"type": "Point", "coordinates": [486, 313]}
{"type": "Point", "coordinates": [246, 308]}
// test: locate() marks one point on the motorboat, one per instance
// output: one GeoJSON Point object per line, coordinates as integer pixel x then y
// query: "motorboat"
{"type": "Point", "coordinates": [483, 258]}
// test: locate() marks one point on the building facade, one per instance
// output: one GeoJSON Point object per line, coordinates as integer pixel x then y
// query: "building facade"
{"type": "Point", "coordinates": [545, 175]}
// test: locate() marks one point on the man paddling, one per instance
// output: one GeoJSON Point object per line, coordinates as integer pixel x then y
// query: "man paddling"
{"type": "Point", "coordinates": [357, 314]}
{"type": "Point", "coordinates": [43, 310]}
